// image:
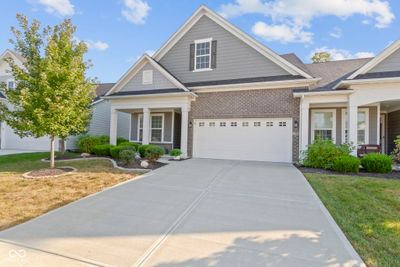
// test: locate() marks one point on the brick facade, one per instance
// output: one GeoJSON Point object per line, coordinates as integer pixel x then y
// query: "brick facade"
{"type": "Point", "coordinates": [264, 103]}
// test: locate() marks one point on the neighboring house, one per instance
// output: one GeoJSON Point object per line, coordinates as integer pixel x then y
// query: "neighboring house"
{"type": "Point", "coordinates": [215, 92]}
{"type": "Point", "coordinates": [8, 139]}
{"type": "Point", "coordinates": [100, 123]}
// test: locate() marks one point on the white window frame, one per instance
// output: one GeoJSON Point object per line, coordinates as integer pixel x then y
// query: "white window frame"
{"type": "Point", "coordinates": [196, 42]}
{"type": "Point", "coordinates": [147, 74]}
{"type": "Point", "coordinates": [162, 127]}
{"type": "Point", "coordinates": [140, 117]}
{"type": "Point", "coordinates": [10, 80]}
{"type": "Point", "coordinates": [344, 126]}
{"type": "Point", "coordinates": [333, 111]}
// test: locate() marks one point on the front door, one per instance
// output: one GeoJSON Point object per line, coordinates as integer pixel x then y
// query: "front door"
{"type": "Point", "coordinates": [382, 133]}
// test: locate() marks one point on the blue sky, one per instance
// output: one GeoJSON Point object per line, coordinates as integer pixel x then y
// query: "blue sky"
{"type": "Point", "coordinates": [119, 31]}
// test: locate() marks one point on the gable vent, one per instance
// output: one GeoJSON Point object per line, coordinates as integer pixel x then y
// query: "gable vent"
{"type": "Point", "coordinates": [147, 77]}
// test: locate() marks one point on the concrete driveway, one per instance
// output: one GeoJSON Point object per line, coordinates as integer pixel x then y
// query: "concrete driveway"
{"type": "Point", "coordinates": [193, 213]}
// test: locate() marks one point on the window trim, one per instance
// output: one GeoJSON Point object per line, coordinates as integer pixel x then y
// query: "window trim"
{"type": "Point", "coordinates": [344, 111]}
{"type": "Point", "coordinates": [140, 117]}
{"type": "Point", "coordinates": [206, 40]}
{"type": "Point", "coordinates": [333, 111]}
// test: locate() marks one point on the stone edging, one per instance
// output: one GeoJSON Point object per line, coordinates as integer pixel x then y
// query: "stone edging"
{"type": "Point", "coordinates": [114, 163]}
{"type": "Point", "coordinates": [27, 176]}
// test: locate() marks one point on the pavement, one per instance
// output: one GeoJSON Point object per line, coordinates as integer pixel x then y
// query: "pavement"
{"type": "Point", "coordinates": [197, 212]}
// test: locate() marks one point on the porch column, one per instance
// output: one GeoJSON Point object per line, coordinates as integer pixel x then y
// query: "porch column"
{"type": "Point", "coordinates": [146, 126]}
{"type": "Point", "coordinates": [304, 125]}
{"type": "Point", "coordinates": [352, 128]}
{"type": "Point", "coordinates": [113, 126]}
{"type": "Point", "coordinates": [184, 131]}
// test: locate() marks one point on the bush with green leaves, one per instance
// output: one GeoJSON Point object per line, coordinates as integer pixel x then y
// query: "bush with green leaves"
{"type": "Point", "coordinates": [346, 164]}
{"type": "Point", "coordinates": [86, 143]}
{"type": "Point", "coordinates": [127, 143]}
{"type": "Point", "coordinates": [116, 150]}
{"type": "Point", "coordinates": [396, 150]}
{"type": "Point", "coordinates": [176, 152]}
{"type": "Point", "coordinates": [375, 162]}
{"type": "Point", "coordinates": [127, 156]}
{"type": "Point", "coordinates": [102, 150]}
{"type": "Point", "coordinates": [121, 140]}
{"type": "Point", "coordinates": [151, 152]}
{"type": "Point", "coordinates": [322, 153]}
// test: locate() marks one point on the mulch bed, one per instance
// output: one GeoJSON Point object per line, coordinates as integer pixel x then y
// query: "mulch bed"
{"type": "Point", "coordinates": [49, 172]}
{"type": "Point", "coordinates": [392, 175]}
{"type": "Point", "coordinates": [136, 165]}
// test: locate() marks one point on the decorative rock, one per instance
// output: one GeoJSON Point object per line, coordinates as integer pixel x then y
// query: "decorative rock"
{"type": "Point", "coordinates": [144, 164]}
{"type": "Point", "coordinates": [177, 157]}
{"type": "Point", "coordinates": [137, 156]}
{"type": "Point", "coordinates": [85, 155]}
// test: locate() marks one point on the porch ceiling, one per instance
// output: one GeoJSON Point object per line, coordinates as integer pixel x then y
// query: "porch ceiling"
{"type": "Point", "coordinates": [391, 105]}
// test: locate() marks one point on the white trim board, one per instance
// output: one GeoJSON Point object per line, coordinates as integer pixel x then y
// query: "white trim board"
{"type": "Point", "coordinates": [205, 11]}
{"type": "Point", "coordinates": [343, 122]}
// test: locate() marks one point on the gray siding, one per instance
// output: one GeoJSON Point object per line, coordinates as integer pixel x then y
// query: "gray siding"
{"type": "Point", "coordinates": [372, 123]}
{"type": "Point", "coordinates": [235, 59]}
{"type": "Point", "coordinates": [159, 81]}
{"type": "Point", "coordinates": [167, 126]}
{"type": "Point", "coordinates": [391, 63]}
{"type": "Point", "coordinates": [100, 122]}
{"type": "Point", "coordinates": [393, 128]}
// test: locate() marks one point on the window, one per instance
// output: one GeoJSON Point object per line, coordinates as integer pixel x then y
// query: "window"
{"type": "Point", "coordinates": [202, 54]}
{"type": "Point", "coordinates": [201, 124]}
{"type": "Point", "coordinates": [245, 124]}
{"type": "Point", "coordinates": [282, 123]}
{"type": "Point", "coordinates": [257, 124]}
{"type": "Point", "coordinates": [156, 128]}
{"type": "Point", "coordinates": [362, 126]}
{"type": "Point", "coordinates": [222, 124]}
{"type": "Point", "coordinates": [270, 124]}
{"type": "Point", "coordinates": [211, 124]}
{"type": "Point", "coordinates": [140, 128]}
{"type": "Point", "coordinates": [147, 77]}
{"type": "Point", "coordinates": [323, 124]}
{"type": "Point", "coordinates": [10, 84]}
{"type": "Point", "coordinates": [233, 124]}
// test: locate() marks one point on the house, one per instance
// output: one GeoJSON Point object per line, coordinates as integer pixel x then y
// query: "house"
{"type": "Point", "coordinates": [214, 92]}
{"type": "Point", "coordinates": [99, 124]}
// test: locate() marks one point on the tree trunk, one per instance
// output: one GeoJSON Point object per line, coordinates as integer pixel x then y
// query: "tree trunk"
{"type": "Point", "coordinates": [52, 152]}
{"type": "Point", "coordinates": [62, 148]}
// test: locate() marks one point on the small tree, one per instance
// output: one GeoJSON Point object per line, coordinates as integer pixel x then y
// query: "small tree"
{"type": "Point", "coordinates": [52, 95]}
{"type": "Point", "coordinates": [321, 57]}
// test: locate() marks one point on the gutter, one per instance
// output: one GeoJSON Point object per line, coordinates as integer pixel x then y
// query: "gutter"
{"type": "Point", "coordinates": [347, 83]}
{"type": "Point", "coordinates": [150, 95]}
{"type": "Point", "coordinates": [337, 92]}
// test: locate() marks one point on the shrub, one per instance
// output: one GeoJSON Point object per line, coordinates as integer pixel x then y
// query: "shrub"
{"type": "Point", "coordinates": [116, 150]}
{"type": "Point", "coordinates": [134, 145]}
{"type": "Point", "coordinates": [346, 164]}
{"type": "Point", "coordinates": [102, 150]}
{"type": "Point", "coordinates": [321, 153]}
{"type": "Point", "coordinates": [175, 152]}
{"type": "Point", "coordinates": [151, 152]}
{"type": "Point", "coordinates": [127, 156]}
{"type": "Point", "coordinates": [396, 150]}
{"type": "Point", "coordinates": [375, 162]}
{"type": "Point", "coordinates": [86, 143]}
{"type": "Point", "coordinates": [121, 140]}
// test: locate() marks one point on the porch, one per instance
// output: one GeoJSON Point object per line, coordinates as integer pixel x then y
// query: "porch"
{"type": "Point", "coordinates": [351, 117]}
{"type": "Point", "coordinates": [162, 120]}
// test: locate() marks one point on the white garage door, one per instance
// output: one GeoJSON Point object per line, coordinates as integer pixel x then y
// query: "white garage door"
{"type": "Point", "coordinates": [244, 139]}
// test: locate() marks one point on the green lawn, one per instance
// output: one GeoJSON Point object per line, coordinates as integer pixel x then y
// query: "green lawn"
{"type": "Point", "coordinates": [368, 212]}
{"type": "Point", "coordinates": [22, 199]}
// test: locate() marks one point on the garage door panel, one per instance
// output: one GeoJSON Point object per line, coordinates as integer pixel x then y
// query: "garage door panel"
{"type": "Point", "coordinates": [251, 139]}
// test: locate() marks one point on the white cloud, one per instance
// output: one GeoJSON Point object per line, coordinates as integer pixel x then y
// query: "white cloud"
{"type": "Point", "coordinates": [299, 14]}
{"type": "Point", "coordinates": [340, 54]}
{"type": "Point", "coordinates": [136, 11]}
{"type": "Point", "coordinates": [336, 33]}
{"type": "Point", "coordinates": [97, 45]}
{"type": "Point", "coordinates": [282, 33]}
{"type": "Point", "coordinates": [58, 7]}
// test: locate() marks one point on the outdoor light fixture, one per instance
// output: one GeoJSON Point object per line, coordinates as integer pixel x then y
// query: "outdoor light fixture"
{"type": "Point", "coordinates": [296, 124]}
{"type": "Point", "coordinates": [190, 124]}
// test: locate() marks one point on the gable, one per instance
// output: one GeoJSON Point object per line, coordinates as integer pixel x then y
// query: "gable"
{"type": "Point", "coordinates": [235, 58]}
{"type": "Point", "coordinates": [136, 83]}
{"type": "Point", "coordinates": [391, 63]}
